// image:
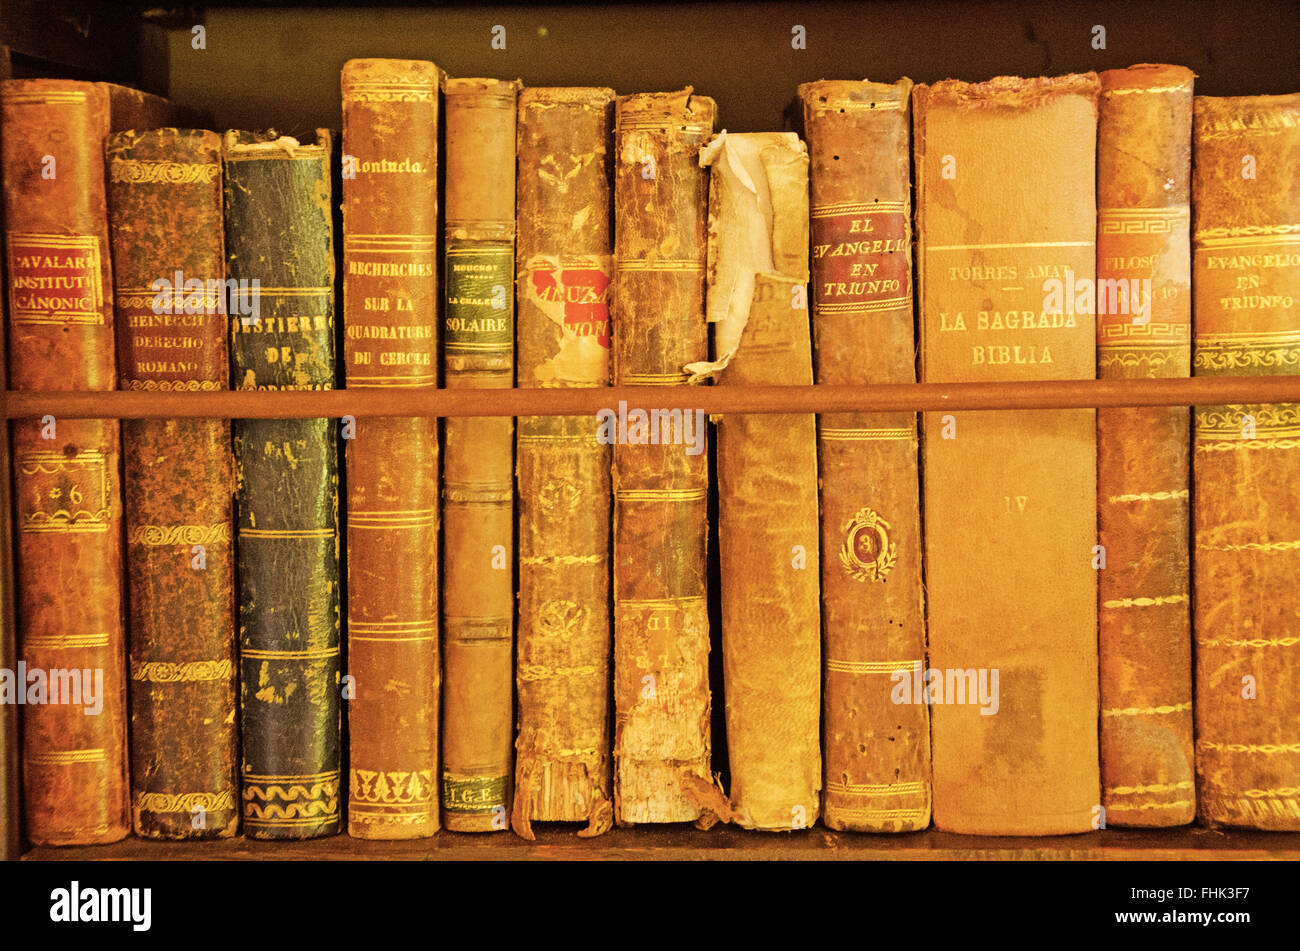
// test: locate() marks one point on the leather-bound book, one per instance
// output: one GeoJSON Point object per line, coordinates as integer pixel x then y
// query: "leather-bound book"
{"type": "Point", "coordinates": [390, 321]}
{"type": "Point", "coordinates": [168, 268]}
{"type": "Point", "coordinates": [67, 489]}
{"type": "Point", "coordinates": [1009, 496]}
{"type": "Point", "coordinates": [1246, 275]}
{"type": "Point", "coordinates": [661, 622]}
{"type": "Point", "coordinates": [563, 765]}
{"type": "Point", "coordinates": [279, 233]}
{"type": "Point", "coordinates": [767, 479]}
{"type": "Point", "coordinates": [478, 601]}
{"type": "Point", "coordinates": [877, 767]}
{"type": "Point", "coordinates": [1144, 324]}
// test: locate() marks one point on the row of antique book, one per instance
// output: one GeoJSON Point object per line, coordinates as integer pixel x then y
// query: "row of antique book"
{"type": "Point", "coordinates": [1040, 681]}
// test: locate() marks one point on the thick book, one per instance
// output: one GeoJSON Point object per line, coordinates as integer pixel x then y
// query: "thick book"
{"type": "Point", "coordinates": [661, 620]}
{"type": "Point", "coordinates": [1246, 280]}
{"type": "Point", "coordinates": [478, 598]}
{"type": "Point", "coordinates": [1144, 325]}
{"type": "Point", "coordinates": [165, 223]}
{"type": "Point", "coordinates": [877, 769]}
{"type": "Point", "coordinates": [390, 339]}
{"type": "Point", "coordinates": [767, 479]}
{"type": "Point", "coordinates": [563, 277]}
{"type": "Point", "coordinates": [1009, 496]}
{"type": "Point", "coordinates": [280, 246]}
{"type": "Point", "coordinates": [68, 497]}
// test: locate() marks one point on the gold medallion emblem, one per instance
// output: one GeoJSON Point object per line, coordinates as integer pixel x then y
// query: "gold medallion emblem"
{"type": "Point", "coordinates": [867, 554]}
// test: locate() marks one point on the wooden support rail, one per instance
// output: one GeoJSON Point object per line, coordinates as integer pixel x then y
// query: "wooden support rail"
{"type": "Point", "coordinates": [299, 404]}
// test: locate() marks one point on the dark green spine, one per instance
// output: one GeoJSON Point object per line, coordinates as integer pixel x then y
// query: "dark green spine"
{"type": "Point", "coordinates": [279, 233]}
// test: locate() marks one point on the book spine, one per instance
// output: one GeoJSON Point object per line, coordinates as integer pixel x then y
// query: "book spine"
{"type": "Point", "coordinates": [767, 480]}
{"type": "Point", "coordinates": [1246, 280]}
{"type": "Point", "coordinates": [661, 623]}
{"type": "Point", "coordinates": [1144, 310]}
{"type": "Point", "coordinates": [168, 269]}
{"type": "Point", "coordinates": [390, 317]}
{"type": "Point", "coordinates": [478, 485]}
{"type": "Point", "coordinates": [279, 233]}
{"type": "Point", "coordinates": [1010, 496]}
{"type": "Point", "coordinates": [563, 274]}
{"type": "Point", "coordinates": [877, 750]}
{"type": "Point", "coordinates": [67, 489]}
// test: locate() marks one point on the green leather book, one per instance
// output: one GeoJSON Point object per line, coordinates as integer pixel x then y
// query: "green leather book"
{"type": "Point", "coordinates": [279, 250]}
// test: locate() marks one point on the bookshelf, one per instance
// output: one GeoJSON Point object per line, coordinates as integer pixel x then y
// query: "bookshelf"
{"type": "Point", "coordinates": [268, 64]}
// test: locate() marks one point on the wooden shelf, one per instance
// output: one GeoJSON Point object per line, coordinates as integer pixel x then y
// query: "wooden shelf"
{"type": "Point", "coordinates": [300, 404]}
{"type": "Point", "coordinates": [684, 842]}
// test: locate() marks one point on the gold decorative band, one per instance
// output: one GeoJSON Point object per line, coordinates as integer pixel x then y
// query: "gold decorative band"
{"type": "Point", "coordinates": [134, 171]}
{"type": "Point", "coordinates": [53, 97]}
{"type": "Point", "coordinates": [393, 519]}
{"type": "Point", "coordinates": [835, 209]}
{"type": "Point", "coordinates": [551, 439]}
{"type": "Point", "coordinates": [1253, 546]}
{"type": "Point", "coordinates": [529, 673]}
{"type": "Point", "coordinates": [64, 757]}
{"type": "Point", "coordinates": [184, 802]}
{"type": "Point", "coordinates": [661, 495]}
{"type": "Point", "coordinates": [469, 493]}
{"type": "Point", "coordinates": [1253, 749]}
{"type": "Point", "coordinates": [173, 386]}
{"type": "Point", "coordinates": [294, 291]}
{"type": "Point", "coordinates": [863, 307]}
{"type": "Point", "coordinates": [1143, 220]}
{"type": "Point", "coordinates": [875, 789]}
{"type": "Point", "coordinates": [872, 666]}
{"type": "Point", "coordinates": [1147, 790]}
{"type": "Point", "coordinates": [652, 379]}
{"type": "Point", "coordinates": [193, 671]}
{"type": "Point", "coordinates": [1010, 244]}
{"type": "Point", "coordinates": [1161, 496]}
{"type": "Point", "coordinates": [658, 264]}
{"type": "Point", "coordinates": [1156, 602]}
{"type": "Point", "coordinates": [64, 641]}
{"type": "Point", "coordinates": [1246, 236]}
{"type": "Point", "coordinates": [1253, 642]}
{"type": "Point", "coordinates": [868, 435]}
{"type": "Point", "coordinates": [650, 604]}
{"type": "Point", "coordinates": [319, 653]}
{"type": "Point", "coordinates": [1162, 710]}
{"type": "Point", "coordinates": [158, 535]}
{"type": "Point", "coordinates": [286, 533]}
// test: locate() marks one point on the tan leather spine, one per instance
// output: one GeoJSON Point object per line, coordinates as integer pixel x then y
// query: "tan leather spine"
{"type": "Point", "coordinates": [661, 626]}
{"type": "Point", "coordinates": [877, 766]}
{"type": "Point", "coordinates": [1144, 323]}
{"type": "Point", "coordinates": [564, 271]}
{"type": "Point", "coordinates": [767, 480]}
{"type": "Point", "coordinates": [1010, 497]}
{"type": "Point", "coordinates": [478, 484]}
{"type": "Point", "coordinates": [390, 317]}
{"type": "Point", "coordinates": [1246, 280]}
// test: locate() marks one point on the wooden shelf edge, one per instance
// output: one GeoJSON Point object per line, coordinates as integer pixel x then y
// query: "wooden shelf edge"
{"type": "Point", "coordinates": [522, 401]}
{"type": "Point", "coordinates": [685, 843]}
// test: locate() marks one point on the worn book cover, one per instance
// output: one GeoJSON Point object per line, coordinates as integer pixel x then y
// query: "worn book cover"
{"type": "Point", "coordinates": [279, 234]}
{"type": "Point", "coordinates": [1246, 280]}
{"type": "Point", "coordinates": [563, 277]}
{"type": "Point", "coordinates": [390, 333]}
{"type": "Point", "coordinates": [1010, 496]}
{"type": "Point", "coordinates": [67, 487]}
{"type": "Point", "coordinates": [877, 767]}
{"type": "Point", "coordinates": [1144, 324]}
{"type": "Point", "coordinates": [478, 484]}
{"type": "Point", "coordinates": [661, 622]}
{"type": "Point", "coordinates": [767, 479]}
{"type": "Point", "coordinates": [164, 190]}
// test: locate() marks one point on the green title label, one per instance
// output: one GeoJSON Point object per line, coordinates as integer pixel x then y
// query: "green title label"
{"type": "Point", "coordinates": [480, 299]}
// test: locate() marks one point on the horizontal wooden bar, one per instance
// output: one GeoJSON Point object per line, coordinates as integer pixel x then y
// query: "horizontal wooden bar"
{"type": "Point", "coordinates": [922, 397]}
{"type": "Point", "coordinates": [675, 843]}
